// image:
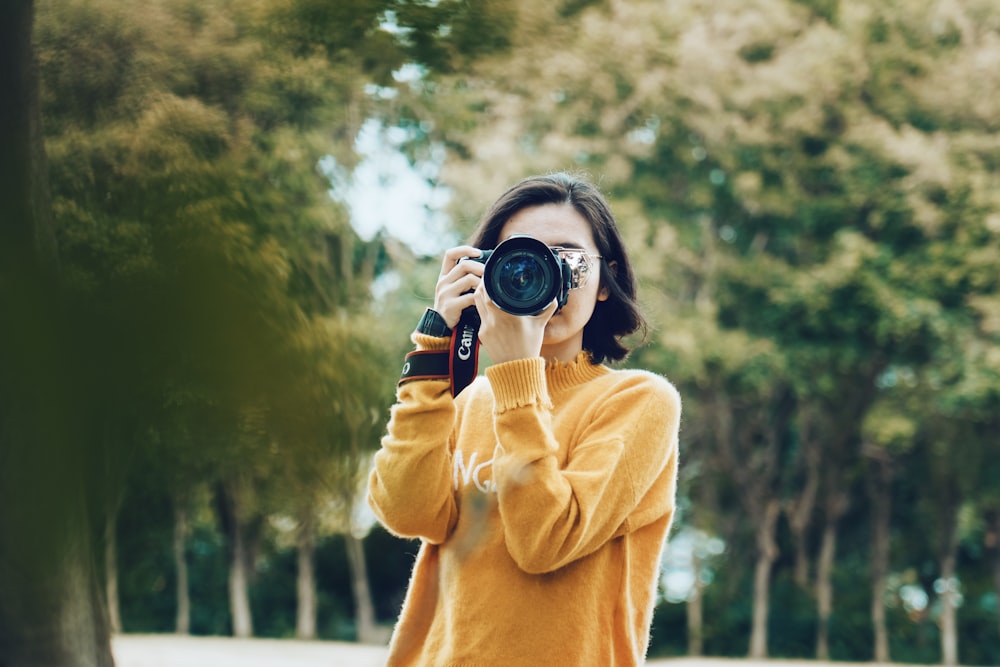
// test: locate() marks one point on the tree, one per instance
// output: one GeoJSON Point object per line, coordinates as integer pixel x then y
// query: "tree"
{"type": "Point", "coordinates": [52, 612]}
{"type": "Point", "coordinates": [887, 435]}
{"type": "Point", "coordinates": [955, 439]}
{"type": "Point", "coordinates": [191, 278]}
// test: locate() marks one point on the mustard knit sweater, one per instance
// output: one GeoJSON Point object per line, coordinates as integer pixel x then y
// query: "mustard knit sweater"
{"type": "Point", "coordinates": [543, 496]}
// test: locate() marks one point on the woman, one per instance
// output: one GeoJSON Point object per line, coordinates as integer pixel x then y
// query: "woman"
{"type": "Point", "coordinates": [543, 493]}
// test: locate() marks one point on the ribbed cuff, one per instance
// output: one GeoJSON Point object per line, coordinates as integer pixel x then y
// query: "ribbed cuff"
{"type": "Point", "coordinates": [518, 383]}
{"type": "Point", "coordinates": [425, 342]}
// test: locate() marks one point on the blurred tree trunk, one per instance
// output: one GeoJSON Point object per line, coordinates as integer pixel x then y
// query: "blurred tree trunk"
{"type": "Point", "coordinates": [836, 506]}
{"type": "Point", "coordinates": [762, 435]}
{"type": "Point", "coordinates": [239, 587]}
{"type": "Point", "coordinates": [879, 486]}
{"type": "Point", "coordinates": [801, 507]}
{"type": "Point", "coordinates": [949, 594]}
{"type": "Point", "coordinates": [305, 617]}
{"type": "Point", "coordinates": [111, 571]}
{"type": "Point", "coordinates": [232, 512]}
{"type": "Point", "coordinates": [364, 609]}
{"type": "Point", "coordinates": [52, 610]}
{"type": "Point", "coordinates": [767, 553]}
{"type": "Point", "coordinates": [749, 432]}
{"type": "Point", "coordinates": [182, 623]}
{"type": "Point", "coordinates": [28, 238]}
{"type": "Point", "coordinates": [696, 612]}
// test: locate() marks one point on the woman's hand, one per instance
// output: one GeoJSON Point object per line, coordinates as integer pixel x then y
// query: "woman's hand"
{"type": "Point", "coordinates": [457, 283]}
{"type": "Point", "coordinates": [508, 337]}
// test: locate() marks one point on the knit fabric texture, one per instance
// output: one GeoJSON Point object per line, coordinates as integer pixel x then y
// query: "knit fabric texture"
{"type": "Point", "coordinates": [543, 495]}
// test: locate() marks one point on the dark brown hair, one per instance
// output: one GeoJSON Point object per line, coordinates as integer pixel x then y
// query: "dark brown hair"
{"type": "Point", "coordinates": [614, 318]}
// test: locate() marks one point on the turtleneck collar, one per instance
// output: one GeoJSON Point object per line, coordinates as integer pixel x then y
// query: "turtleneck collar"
{"type": "Point", "coordinates": [563, 375]}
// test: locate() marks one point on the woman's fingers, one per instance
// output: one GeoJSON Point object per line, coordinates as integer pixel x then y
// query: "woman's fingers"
{"type": "Point", "coordinates": [455, 285]}
{"type": "Point", "coordinates": [452, 256]}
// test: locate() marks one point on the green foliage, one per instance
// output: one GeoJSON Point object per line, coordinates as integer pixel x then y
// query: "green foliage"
{"type": "Point", "coordinates": [194, 228]}
{"type": "Point", "coordinates": [822, 9]}
{"type": "Point", "coordinates": [792, 622]}
{"type": "Point", "coordinates": [449, 34]}
{"type": "Point", "coordinates": [727, 634]}
{"type": "Point", "coordinates": [668, 636]}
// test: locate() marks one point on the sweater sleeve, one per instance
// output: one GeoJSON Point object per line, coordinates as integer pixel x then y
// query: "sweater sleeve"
{"type": "Point", "coordinates": [409, 488]}
{"type": "Point", "coordinates": [619, 475]}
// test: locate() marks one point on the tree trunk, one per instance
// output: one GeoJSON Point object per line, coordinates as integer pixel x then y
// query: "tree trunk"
{"type": "Point", "coordinates": [879, 485]}
{"type": "Point", "coordinates": [305, 618]}
{"type": "Point", "coordinates": [799, 531]}
{"type": "Point", "coordinates": [27, 239]}
{"type": "Point", "coordinates": [835, 506]}
{"type": "Point", "coordinates": [767, 552]}
{"type": "Point", "coordinates": [364, 609]}
{"type": "Point", "coordinates": [949, 621]}
{"type": "Point", "coordinates": [949, 595]}
{"type": "Point", "coordinates": [800, 511]}
{"type": "Point", "coordinates": [182, 622]}
{"type": "Point", "coordinates": [52, 610]}
{"type": "Point", "coordinates": [695, 613]}
{"type": "Point", "coordinates": [232, 513]}
{"type": "Point", "coordinates": [824, 588]}
{"type": "Point", "coordinates": [239, 581]}
{"type": "Point", "coordinates": [111, 573]}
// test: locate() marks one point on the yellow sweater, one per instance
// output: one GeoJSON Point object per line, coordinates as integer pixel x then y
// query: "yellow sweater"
{"type": "Point", "coordinates": [543, 495]}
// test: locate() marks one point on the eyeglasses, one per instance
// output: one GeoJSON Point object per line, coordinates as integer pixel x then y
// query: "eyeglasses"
{"type": "Point", "coordinates": [581, 264]}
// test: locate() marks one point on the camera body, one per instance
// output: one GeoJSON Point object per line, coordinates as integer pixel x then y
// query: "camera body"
{"type": "Point", "coordinates": [523, 275]}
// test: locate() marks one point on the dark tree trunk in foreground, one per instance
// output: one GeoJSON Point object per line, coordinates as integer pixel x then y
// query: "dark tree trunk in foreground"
{"type": "Point", "coordinates": [52, 610]}
{"type": "Point", "coordinates": [26, 226]}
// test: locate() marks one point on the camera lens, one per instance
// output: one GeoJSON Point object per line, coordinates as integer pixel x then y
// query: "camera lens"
{"type": "Point", "coordinates": [522, 276]}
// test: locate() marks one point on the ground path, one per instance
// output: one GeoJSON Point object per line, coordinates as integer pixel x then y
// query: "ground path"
{"type": "Point", "coordinates": [176, 651]}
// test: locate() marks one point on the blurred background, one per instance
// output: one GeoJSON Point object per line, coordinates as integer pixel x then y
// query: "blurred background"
{"type": "Point", "coordinates": [226, 217]}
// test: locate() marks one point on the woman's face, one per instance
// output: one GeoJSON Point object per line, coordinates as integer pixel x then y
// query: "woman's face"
{"type": "Point", "coordinates": [561, 225]}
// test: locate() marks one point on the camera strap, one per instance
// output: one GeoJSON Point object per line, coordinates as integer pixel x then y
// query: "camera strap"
{"type": "Point", "coordinates": [459, 364]}
{"type": "Point", "coordinates": [425, 365]}
{"type": "Point", "coordinates": [463, 362]}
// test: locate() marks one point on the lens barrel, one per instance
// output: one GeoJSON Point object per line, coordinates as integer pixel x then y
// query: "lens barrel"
{"type": "Point", "coordinates": [523, 276]}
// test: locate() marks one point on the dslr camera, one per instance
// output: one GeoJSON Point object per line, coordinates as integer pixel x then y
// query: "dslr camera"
{"type": "Point", "coordinates": [523, 275]}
